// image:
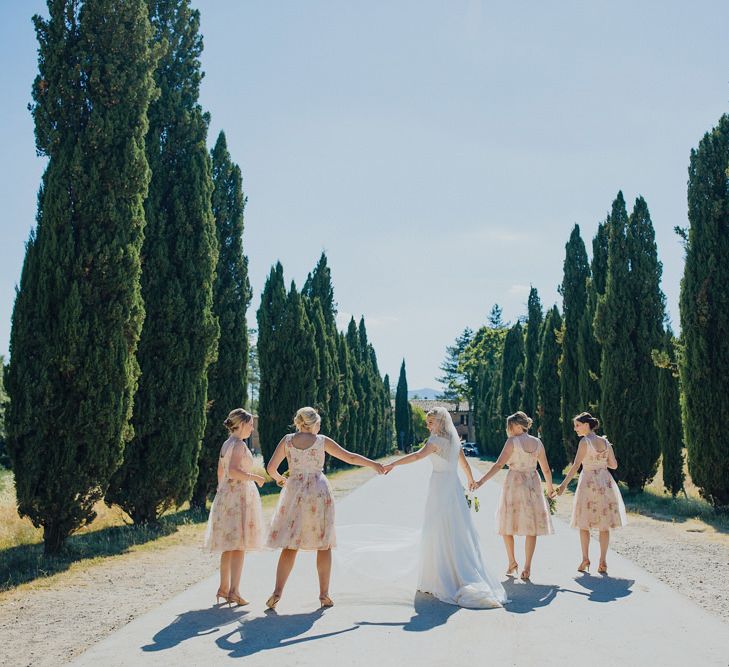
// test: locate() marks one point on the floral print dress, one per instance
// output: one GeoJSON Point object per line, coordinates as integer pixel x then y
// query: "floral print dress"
{"type": "Point", "coordinates": [522, 508]}
{"type": "Point", "coordinates": [598, 503]}
{"type": "Point", "coordinates": [304, 517]}
{"type": "Point", "coordinates": [236, 519]}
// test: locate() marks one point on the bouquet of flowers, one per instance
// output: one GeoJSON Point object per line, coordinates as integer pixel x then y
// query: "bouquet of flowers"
{"type": "Point", "coordinates": [472, 502]}
{"type": "Point", "coordinates": [551, 502]}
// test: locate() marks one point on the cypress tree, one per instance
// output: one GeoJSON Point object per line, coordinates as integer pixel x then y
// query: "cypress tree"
{"type": "Point", "coordinates": [588, 347]}
{"type": "Point", "coordinates": [548, 391]}
{"type": "Point", "coordinates": [78, 311]}
{"type": "Point", "coordinates": [511, 361]}
{"type": "Point", "coordinates": [273, 420]}
{"type": "Point", "coordinates": [4, 459]}
{"type": "Point", "coordinates": [319, 284]}
{"type": "Point", "coordinates": [616, 323]}
{"type": "Point", "coordinates": [531, 353]}
{"type": "Point", "coordinates": [327, 372]}
{"type": "Point", "coordinates": [356, 418]}
{"type": "Point", "coordinates": [704, 305]}
{"type": "Point", "coordinates": [650, 313]}
{"type": "Point", "coordinates": [227, 376]}
{"type": "Point", "coordinates": [388, 442]}
{"type": "Point", "coordinates": [574, 304]}
{"type": "Point", "coordinates": [346, 391]}
{"type": "Point", "coordinates": [179, 255]}
{"type": "Point", "coordinates": [668, 417]}
{"type": "Point", "coordinates": [402, 412]}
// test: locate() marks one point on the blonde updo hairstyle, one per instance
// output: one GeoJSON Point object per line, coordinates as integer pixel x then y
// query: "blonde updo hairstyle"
{"type": "Point", "coordinates": [439, 416]}
{"type": "Point", "coordinates": [519, 419]}
{"type": "Point", "coordinates": [306, 418]}
{"type": "Point", "coordinates": [235, 417]}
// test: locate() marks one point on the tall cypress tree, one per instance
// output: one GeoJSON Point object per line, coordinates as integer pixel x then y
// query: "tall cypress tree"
{"type": "Point", "coordinates": [668, 418]}
{"type": "Point", "coordinates": [650, 313]}
{"type": "Point", "coordinates": [356, 418]}
{"type": "Point", "coordinates": [389, 429]}
{"type": "Point", "coordinates": [548, 393]}
{"type": "Point", "coordinates": [511, 361]}
{"type": "Point", "coordinates": [327, 372]}
{"type": "Point", "coordinates": [615, 327]}
{"type": "Point", "coordinates": [227, 376]}
{"type": "Point", "coordinates": [704, 304]}
{"type": "Point", "coordinates": [179, 255]}
{"type": "Point", "coordinates": [273, 419]}
{"type": "Point", "coordinates": [588, 347]}
{"type": "Point", "coordinates": [402, 411]}
{"type": "Point", "coordinates": [574, 304]}
{"type": "Point", "coordinates": [79, 312]}
{"type": "Point", "coordinates": [531, 352]}
{"type": "Point", "coordinates": [319, 284]}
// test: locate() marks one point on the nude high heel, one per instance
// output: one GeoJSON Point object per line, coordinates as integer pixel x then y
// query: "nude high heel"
{"type": "Point", "coordinates": [325, 601]}
{"type": "Point", "coordinates": [584, 566]}
{"type": "Point", "coordinates": [602, 568]}
{"type": "Point", "coordinates": [219, 594]}
{"type": "Point", "coordinates": [273, 601]}
{"type": "Point", "coordinates": [513, 569]}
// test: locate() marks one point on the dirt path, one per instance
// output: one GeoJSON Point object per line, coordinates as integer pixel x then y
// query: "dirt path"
{"type": "Point", "coordinates": [52, 620]}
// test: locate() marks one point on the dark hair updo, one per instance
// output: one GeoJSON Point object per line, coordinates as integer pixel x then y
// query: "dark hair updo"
{"type": "Point", "coordinates": [587, 418]}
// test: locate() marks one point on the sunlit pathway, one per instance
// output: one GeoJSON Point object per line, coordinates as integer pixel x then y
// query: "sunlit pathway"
{"type": "Point", "coordinates": [562, 617]}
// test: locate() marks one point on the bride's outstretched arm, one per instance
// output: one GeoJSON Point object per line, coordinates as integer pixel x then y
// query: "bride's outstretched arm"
{"type": "Point", "coordinates": [427, 450]}
{"type": "Point", "coordinates": [499, 464]}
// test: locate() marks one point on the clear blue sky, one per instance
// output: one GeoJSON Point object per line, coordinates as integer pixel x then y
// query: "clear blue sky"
{"type": "Point", "coordinates": [440, 152]}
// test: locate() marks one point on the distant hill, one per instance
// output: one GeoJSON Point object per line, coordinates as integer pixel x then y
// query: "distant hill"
{"type": "Point", "coordinates": [426, 394]}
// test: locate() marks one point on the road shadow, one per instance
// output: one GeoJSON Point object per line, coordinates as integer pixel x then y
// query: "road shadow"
{"type": "Point", "coordinates": [430, 612]}
{"type": "Point", "coordinates": [272, 631]}
{"type": "Point", "coordinates": [527, 596]}
{"type": "Point", "coordinates": [604, 588]}
{"type": "Point", "coordinates": [191, 624]}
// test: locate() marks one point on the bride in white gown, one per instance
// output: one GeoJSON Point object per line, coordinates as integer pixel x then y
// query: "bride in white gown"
{"type": "Point", "coordinates": [451, 567]}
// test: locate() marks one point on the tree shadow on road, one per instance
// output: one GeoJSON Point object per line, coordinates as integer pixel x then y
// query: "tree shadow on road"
{"type": "Point", "coordinates": [272, 631]}
{"type": "Point", "coordinates": [191, 624]}
{"type": "Point", "coordinates": [605, 589]}
{"type": "Point", "coordinates": [430, 612]}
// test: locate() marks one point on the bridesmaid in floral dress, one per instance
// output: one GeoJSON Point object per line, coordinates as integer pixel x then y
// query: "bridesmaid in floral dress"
{"type": "Point", "coordinates": [598, 503]}
{"type": "Point", "coordinates": [522, 508]}
{"type": "Point", "coordinates": [235, 524]}
{"type": "Point", "coordinates": [304, 516]}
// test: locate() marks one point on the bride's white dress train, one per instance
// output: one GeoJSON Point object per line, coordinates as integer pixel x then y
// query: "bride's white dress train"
{"type": "Point", "coordinates": [451, 566]}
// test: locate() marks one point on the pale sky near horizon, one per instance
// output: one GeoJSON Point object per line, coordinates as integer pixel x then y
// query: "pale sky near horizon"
{"type": "Point", "coordinates": [440, 152]}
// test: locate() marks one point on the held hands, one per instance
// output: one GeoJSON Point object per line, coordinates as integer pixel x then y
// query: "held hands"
{"type": "Point", "coordinates": [473, 485]}
{"type": "Point", "coordinates": [551, 493]}
{"type": "Point", "coordinates": [388, 467]}
{"type": "Point", "coordinates": [380, 469]}
{"type": "Point", "coordinates": [560, 489]}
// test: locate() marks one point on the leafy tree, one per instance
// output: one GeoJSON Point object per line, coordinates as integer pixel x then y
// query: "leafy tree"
{"type": "Point", "coordinates": [227, 376]}
{"type": "Point", "coordinates": [418, 426]}
{"type": "Point", "coordinates": [456, 386]}
{"type": "Point", "coordinates": [704, 304]}
{"type": "Point", "coordinates": [179, 256]}
{"type": "Point", "coordinates": [79, 311]}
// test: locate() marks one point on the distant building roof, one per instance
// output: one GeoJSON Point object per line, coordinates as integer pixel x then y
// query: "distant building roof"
{"type": "Point", "coordinates": [448, 405]}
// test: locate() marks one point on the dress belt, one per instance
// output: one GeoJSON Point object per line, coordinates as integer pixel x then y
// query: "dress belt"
{"type": "Point", "coordinates": [522, 469]}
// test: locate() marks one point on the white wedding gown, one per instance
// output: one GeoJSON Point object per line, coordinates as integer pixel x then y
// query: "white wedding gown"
{"type": "Point", "coordinates": [451, 567]}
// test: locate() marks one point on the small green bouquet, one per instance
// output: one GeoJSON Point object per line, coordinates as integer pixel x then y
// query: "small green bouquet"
{"type": "Point", "coordinates": [472, 502]}
{"type": "Point", "coordinates": [551, 502]}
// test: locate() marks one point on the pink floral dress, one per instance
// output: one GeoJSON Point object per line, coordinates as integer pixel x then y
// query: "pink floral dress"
{"type": "Point", "coordinates": [304, 517]}
{"type": "Point", "coordinates": [522, 508]}
{"type": "Point", "coordinates": [598, 503]}
{"type": "Point", "coordinates": [236, 519]}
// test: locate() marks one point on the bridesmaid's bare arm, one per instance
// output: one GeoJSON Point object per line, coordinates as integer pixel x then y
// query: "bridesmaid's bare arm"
{"type": "Point", "coordinates": [546, 470]}
{"type": "Point", "coordinates": [338, 452]}
{"type": "Point", "coordinates": [499, 463]}
{"type": "Point", "coordinates": [612, 462]}
{"type": "Point", "coordinates": [235, 469]}
{"type": "Point", "coordinates": [579, 457]}
{"type": "Point", "coordinates": [274, 462]}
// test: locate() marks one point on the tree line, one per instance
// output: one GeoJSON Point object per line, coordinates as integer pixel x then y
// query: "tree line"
{"type": "Point", "coordinates": [610, 349]}
{"type": "Point", "coordinates": [129, 342]}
